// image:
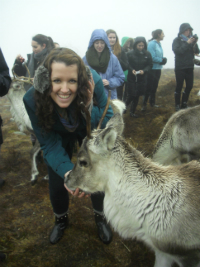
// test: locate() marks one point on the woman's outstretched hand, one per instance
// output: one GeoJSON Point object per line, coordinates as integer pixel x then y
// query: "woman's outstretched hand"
{"type": "Point", "coordinates": [77, 192]}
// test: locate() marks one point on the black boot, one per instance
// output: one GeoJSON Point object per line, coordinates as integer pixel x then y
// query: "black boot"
{"type": "Point", "coordinates": [177, 101]}
{"type": "Point", "coordinates": [132, 110]}
{"type": "Point", "coordinates": [104, 231]}
{"type": "Point", "coordinates": [185, 97]}
{"type": "Point", "coordinates": [58, 230]}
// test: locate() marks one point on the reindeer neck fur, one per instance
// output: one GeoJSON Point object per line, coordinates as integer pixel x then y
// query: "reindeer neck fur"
{"type": "Point", "coordinates": [141, 192]}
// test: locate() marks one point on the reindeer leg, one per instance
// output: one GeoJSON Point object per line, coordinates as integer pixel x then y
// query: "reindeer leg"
{"type": "Point", "coordinates": [34, 171]}
{"type": "Point", "coordinates": [162, 259]}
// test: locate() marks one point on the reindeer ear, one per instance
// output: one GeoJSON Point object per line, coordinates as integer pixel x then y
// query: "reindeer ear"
{"type": "Point", "coordinates": [117, 123]}
{"type": "Point", "coordinates": [109, 136]}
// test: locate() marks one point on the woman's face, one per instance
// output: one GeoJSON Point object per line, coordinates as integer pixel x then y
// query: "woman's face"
{"type": "Point", "coordinates": [187, 33]}
{"type": "Point", "coordinates": [112, 38]}
{"type": "Point", "coordinates": [161, 36]}
{"type": "Point", "coordinates": [140, 46]}
{"type": "Point", "coordinates": [99, 45]}
{"type": "Point", "coordinates": [37, 47]}
{"type": "Point", "coordinates": [64, 80]}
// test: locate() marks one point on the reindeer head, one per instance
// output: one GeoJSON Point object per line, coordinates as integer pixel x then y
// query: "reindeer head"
{"type": "Point", "coordinates": [94, 159]}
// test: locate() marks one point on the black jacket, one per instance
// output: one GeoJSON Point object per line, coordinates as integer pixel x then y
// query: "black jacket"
{"type": "Point", "coordinates": [184, 52]}
{"type": "Point", "coordinates": [138, 61]}
{"type": "Point", "coordinates": [123, 60]}
{"type": "Point", "coordinates": [5, 82]}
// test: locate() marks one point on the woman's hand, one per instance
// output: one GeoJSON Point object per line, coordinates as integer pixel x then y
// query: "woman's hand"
{"type": "Point", "coordinates": [20, 59]}
{"type": "Point", "coordinates": [76, 192]}
{"type": "Point", "coordinates": [134, 72]}
{"type": "Point", "coordinates": [105, 82]}
{"type": "Point", "coordinates": [191, 40]}
{"type": "Point", "coordinates": [90, 91]}
{"type": "Point", "coordinates": [141, 72]}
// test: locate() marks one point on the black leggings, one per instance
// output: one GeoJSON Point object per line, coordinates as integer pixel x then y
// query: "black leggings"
{"type": "Point", "coordinates": [59, 195]}
{"type": "Point", "coordinates": [153, 78]}
{"type": "Point", "coordinates": [188, 76]}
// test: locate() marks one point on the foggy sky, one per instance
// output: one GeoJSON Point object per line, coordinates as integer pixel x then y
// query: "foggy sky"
{"type": "Point", "coordinates": [70, 23]}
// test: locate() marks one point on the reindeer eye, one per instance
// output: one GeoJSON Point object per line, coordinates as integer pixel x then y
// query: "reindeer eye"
{"type": "Point", "coordinates": [83, 163]}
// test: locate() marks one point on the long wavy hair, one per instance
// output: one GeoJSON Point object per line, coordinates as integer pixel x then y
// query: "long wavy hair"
{"type": "Point", "coordinates": [43, 39]}
{"type": "Point", "coordinates": [44, 102]}
{"type": "Point", "coordinates": [117, 47]}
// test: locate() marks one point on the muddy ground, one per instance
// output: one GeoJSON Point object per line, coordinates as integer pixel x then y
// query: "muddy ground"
{"type": "Point", "coordinates": [26, 216]}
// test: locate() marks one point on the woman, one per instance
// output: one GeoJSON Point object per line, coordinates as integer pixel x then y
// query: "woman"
{"type": "Point", "coordinates": [54, 108]}
{"type": "Point", "coordinates": [184, 47]}
{"type": "Point", "coordinates": [99, 56]}
{"type": "Point", "coordinates": [140, 62]}
{"type": "Point", "coordinates": [153, 77]}
{"type": "Point", "coordinates": [41, 46]}
{"type": "Point", "coordinates": [120, 54]}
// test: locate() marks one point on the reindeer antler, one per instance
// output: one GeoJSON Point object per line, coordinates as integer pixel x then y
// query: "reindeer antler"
{"type": "Point", "coordinates": [105, 111]}
{"type": "Point", "coordinates": [88, 120]}
{"type": "Point", "coordinates": [22, 78]}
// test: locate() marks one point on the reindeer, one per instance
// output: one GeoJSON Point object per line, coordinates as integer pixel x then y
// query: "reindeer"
{"type": "Point", "coordinates": [18, 111]}
{"type": "Point", "coordinates": [156, 204]}
{"type": "Point", "coordinates": [180, 139]}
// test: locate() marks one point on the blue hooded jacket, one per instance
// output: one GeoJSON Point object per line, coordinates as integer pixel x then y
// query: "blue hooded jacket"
{"type": "Point", "coordinates": [156, 51]}
{"type": "Point", "coordinates": [114, 73]}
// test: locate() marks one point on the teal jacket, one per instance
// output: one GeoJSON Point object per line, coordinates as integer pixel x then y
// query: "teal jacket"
{"type": "Point", "coordinates": [57, 145]}
{"type": "Point", "coordinates": [156, 51]}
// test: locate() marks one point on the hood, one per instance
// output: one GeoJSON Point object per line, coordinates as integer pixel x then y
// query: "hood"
{"type": "Point", "coordinates": [99, 34]}
{"type": "Point", "coordinates": [138, 40]}
{"type": "Point", "coordinates": [123, 41]}
{"type": "Point", "coordinates": [184, 27]}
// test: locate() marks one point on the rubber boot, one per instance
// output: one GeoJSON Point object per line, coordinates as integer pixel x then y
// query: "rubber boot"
{"type": "Point", "coordinates": [132, 110]}
{"type": "Point", "coordinates": [185, 97]}
{"type": "Point", "coordinates": [104, 231]}
{"type": "Point", "coordinates": [177, 101]}
{"type": "Point", "coordinates": [59, 228]}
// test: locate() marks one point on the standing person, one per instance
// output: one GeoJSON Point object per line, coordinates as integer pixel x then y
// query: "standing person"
{"type": "Point", "coordinates": [140, 62]}
{"type": "Point", "coordinates": [120, 54]}
{"type": "Point", "coordinates": [184, 47]}
{"type": "Point", "coordinates": [54, 108]}
{"type": "Point", "coordinates": [5, 82]}
{"type": "Point", "coordinates": [153, 77]}
{"type": "Point", "coordinates": [127, 45]}
{"type": "Point", "coordinates": [41, 46]}
{"type": "Point", "coordinates": [99, 56]}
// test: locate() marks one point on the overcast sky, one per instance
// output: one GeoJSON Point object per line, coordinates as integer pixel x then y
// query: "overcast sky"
{"type": "Point", "coordinates": [71, 22]}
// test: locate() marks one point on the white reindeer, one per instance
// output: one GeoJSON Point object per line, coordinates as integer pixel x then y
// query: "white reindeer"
{"type": "Point", "coordinates": [159, 205]}
{"type": "Point", "coordinates": [18, 112]}
{"type": "Point", "coordinates": [180, 139]}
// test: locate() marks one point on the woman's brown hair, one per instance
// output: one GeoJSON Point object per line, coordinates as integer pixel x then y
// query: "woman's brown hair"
{"type": "Point", "coordinates": [117, 47]}
{"type": "Point", "coordinates": [44, 102]}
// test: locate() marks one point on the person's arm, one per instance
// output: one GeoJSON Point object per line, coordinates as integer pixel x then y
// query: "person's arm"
{"type": "Point", "coordinates": [118, 75]}
{"type": "Point", "coordinates": [51, 143]}
{"type": "Point", "coordinates": [180, 47]}
{"type": "Point", "coordinates": [152, 50]}
{"type": "Point", "coordinates": [123, 60]}
{"type": "Point", "coordinates": [149, 63]}
{"type": "Point", "coordinates": [5, 79]}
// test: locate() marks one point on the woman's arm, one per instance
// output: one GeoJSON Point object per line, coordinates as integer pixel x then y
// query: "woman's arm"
{"type": "Point", "coordinates": [118, 76]}
{"type": "Point", "coordinates": [180, 47]}
{"type": "Point", "coordinates": [5, 79]}
{"type": "Point", "coordinates": [149, 63]}
{"type": "Point", "coordinates": [152, 50]}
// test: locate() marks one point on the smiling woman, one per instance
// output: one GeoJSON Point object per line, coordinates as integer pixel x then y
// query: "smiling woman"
{"type": "Point", "coordinates": [54, 107]}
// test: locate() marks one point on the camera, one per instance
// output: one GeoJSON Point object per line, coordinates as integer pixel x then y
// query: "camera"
{"type": "Point", "coordinates": [137, 72]}
{"type": "Point", "coordinates": [195, 36]}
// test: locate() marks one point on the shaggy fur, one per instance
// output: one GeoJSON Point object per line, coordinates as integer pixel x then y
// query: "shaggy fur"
{"type": "Point", "coordinates": [157, 204]}
{"type": "Point", "coordinates": [41, 79]}
{"type": "Point", "coordinates": [180, 138]}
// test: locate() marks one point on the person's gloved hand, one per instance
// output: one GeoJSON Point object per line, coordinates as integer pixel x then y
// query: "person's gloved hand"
{"type": "Point", "coordinates": [164, 61]}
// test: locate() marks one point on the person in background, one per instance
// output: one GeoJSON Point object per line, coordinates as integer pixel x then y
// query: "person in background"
{"type": "Point", "coordinates": [153, 77]}
{"type": "Point", "coordinates": [41, 46]}
{"type": "Point", "coordinates": [140, 62]}
{"type": "Point", "coordinates": [99, 56]}
{"type": "Point", "coordinates": [5, 82]}
{"type": "Point", "coordinates": [127, 45]}
{"type": "Point", "coordinates": [184, 47]}
{"type": "Point", "coordinates": [56, 45]}
{"type": "Point", "coordinates": [54, 108]}
{"type": "Point", "coordinates": [120, 54]}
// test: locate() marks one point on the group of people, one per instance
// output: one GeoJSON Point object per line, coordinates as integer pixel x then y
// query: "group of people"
{"type": "Point", "coordinates": [62, 81]}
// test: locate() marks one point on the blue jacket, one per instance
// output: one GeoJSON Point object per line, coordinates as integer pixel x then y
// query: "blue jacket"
{"type": "Point", "coordinates": [156, 51]}
{"type": "Point", "coordinates": [114, 73]}
{"type": "Point", "coordinates": [57, 145]}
